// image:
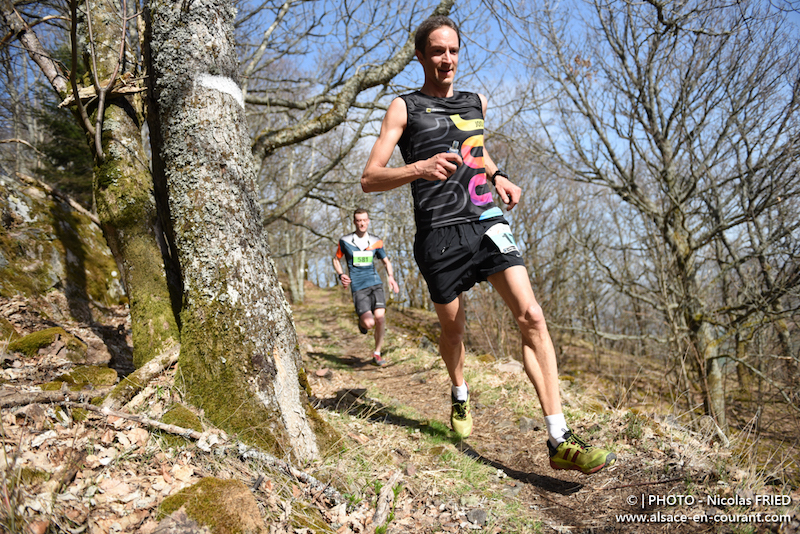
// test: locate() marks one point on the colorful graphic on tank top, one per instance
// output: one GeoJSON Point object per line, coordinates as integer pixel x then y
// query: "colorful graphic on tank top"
{"type": "Point", "coordinates": [438, 125]}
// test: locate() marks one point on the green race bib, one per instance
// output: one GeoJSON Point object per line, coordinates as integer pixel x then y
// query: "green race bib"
{"type": "Point", "coordinates": [362, 258]}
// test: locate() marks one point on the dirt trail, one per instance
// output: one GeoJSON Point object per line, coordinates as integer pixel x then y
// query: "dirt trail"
{"type": "Point", "coordinates": [563, 501]}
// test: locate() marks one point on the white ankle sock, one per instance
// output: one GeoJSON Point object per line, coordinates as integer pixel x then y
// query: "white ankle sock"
{"type": "Point", "coordinates": [556, 428]}
{"type": "Point", "coordinates": [460, 392]}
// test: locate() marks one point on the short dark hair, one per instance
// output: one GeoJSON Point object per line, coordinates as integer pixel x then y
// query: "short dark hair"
{"type": "Point", "coordinates": [429, 25]}
{"type": "Point", "coordinates": [360, 210]}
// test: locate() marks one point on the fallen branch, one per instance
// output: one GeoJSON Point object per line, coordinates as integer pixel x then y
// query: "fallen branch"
{"type": "Point", "coordinates": [172, 429]}
{"type": "Point", "coordinates": [88, 93]}
{"type": "Point", "coordinates": [23, 398]}
{"type": "Point", "coordinates": [250, 453]}
{"type": "Point", "coordinates": [245, 451]}
{"type": "Point", "coordinates": [30, 180]}
{"type": "Point", "coordinates": [385, 500]}
{"type": "Point", "coordinates": [135, 382]}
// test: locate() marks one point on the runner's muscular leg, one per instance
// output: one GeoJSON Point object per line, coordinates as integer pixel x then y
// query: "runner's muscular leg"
{"type": "Point", "coordinates": [538, 353]}
{"type": "Point", "coordinates": [451, 342]}
{"type": "Point", "coordinates": [367, 320]}
{"type": "Point", "coordinates": [380, 327]}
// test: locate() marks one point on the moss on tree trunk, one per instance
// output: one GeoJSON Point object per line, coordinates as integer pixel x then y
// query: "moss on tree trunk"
{"type": "Point", "coordinates": [126, 208]}
{"type": "Point", "coordinates": [123, 189]}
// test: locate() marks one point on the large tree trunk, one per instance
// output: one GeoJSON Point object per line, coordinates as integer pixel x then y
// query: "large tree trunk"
{"type": "Point", "coordinates": [239, 355]}
{"type": "Point", "coordinates": [123, 189]}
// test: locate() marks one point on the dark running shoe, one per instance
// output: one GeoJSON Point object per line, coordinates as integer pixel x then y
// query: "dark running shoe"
{"type": "Point", "coordinates": [576, 454]}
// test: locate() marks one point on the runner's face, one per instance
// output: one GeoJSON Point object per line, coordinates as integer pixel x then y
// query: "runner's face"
{"type": "Point", "coordinates": [440, 58]}
{"type": "Point", "coordinates": [362, 222]}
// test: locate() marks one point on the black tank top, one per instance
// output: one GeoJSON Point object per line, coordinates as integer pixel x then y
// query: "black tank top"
{"type": "Point", "coordinates": [437, 125]}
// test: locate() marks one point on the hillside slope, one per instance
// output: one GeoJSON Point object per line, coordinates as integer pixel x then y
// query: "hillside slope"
{"type": "Point", "coordinates": [403, 409]}
{"type": "Point", "coordinates": [69, 468]}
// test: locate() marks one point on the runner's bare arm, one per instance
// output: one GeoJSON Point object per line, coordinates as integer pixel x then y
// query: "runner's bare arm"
{"type": "Point", "coordinates": [390, 275]}
{"type": "Point", "coordinates": [509, 192]}
{"type": "Point", "coordinates": [337, 266]}
{"type": "Point", "coordinates": [378, 177]}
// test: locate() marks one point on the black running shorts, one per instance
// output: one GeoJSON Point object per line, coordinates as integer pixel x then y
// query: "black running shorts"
{"type": "Point", "coordinates": [369, 299]}
{"type": "Point", "coordinates": [454, 258]}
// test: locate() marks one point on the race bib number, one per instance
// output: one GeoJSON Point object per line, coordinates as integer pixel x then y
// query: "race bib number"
{"type": "Point", "coordinates": [362, 258]}
{"type": "Point", "coordinates": [501, 236]}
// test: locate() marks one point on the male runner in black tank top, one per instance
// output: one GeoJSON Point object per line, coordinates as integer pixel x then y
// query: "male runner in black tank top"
{"type": "Point", "coordinates": [462, 238]}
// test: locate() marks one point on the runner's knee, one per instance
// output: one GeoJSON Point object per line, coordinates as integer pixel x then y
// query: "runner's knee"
{"type": "Point", "coordinates": [452, 334]}
{"type": "Point", "coordinates": [532, 318]}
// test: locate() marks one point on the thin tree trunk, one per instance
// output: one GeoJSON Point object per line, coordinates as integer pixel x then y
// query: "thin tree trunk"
{"type": "Point", "coordinates": [713, 389]}
{"type": "Point", "coordinates": [125, 204]}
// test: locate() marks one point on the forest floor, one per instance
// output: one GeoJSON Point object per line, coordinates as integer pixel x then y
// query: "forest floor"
{"type": "Point", "coordinates": [398, 468]}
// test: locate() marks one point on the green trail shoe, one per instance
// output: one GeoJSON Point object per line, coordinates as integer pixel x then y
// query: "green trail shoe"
{"type": "Point", "coordinates": [576, 454]}
{"type": "Point", "coordinates": [460, 417]}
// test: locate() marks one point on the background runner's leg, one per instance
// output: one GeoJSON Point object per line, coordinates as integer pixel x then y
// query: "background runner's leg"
{"type": "Point", "coordinates": [380, 328]}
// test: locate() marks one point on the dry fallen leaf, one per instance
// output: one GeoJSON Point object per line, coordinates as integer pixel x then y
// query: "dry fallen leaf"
{"type": "Point", "coordinates": [115, 487]}
{"type": "Point", "coordinates": [139, 436]}
{"type": "Point", "coordinates": [165, 474]}
{"type": "Point", "coordinates": [108, 437]}
{"type": "Point", "coordinates": [113, 420]}
{"type": "Point", "coordinates": [183, 472]}
{"type": "Point", "coordinates": [37, 527]}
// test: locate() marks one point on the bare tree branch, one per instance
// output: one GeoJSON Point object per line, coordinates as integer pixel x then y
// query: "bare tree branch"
{"type": "Point", "coordinates": [35, 50]}
{"type": "Point", "coordinates": [268, 141]}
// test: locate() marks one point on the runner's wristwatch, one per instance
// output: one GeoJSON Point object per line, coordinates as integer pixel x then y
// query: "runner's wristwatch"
{"type": "Point", "coordinates": [497, 173]}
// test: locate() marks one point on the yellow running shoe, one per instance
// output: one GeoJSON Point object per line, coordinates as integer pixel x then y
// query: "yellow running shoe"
{"type": "Point", "coordinates": [576, 454]}
{"type": "Point", "coordinates": [460, 417]}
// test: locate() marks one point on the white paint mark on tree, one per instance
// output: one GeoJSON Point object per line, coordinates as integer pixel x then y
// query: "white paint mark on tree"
{"type": "Point", "coordinates": [223, 84]}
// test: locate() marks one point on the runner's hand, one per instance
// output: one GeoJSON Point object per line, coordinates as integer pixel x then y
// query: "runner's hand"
{"type": "Point", "coordinates": [440, 167]}
{"type": "Point", "coordinates": [393, 285]}
{"type": "Point", "coordinates": [509, 193]}
{"type": "Point", "coordinates": [345, 280]}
